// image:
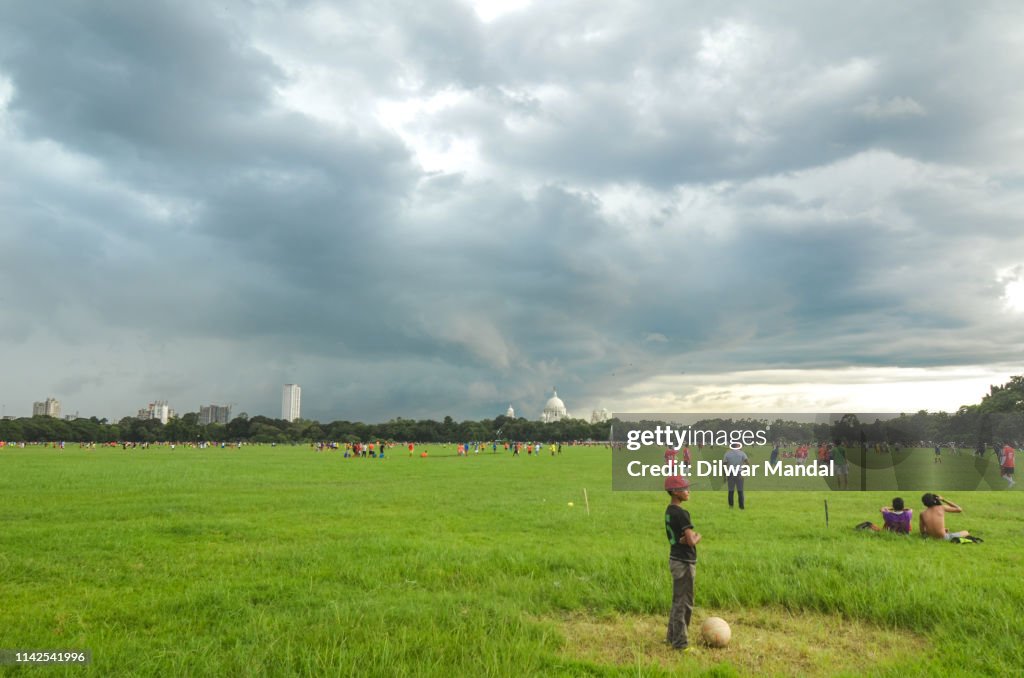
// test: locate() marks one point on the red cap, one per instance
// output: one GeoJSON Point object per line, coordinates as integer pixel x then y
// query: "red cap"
{"type": "Point", "coordinates": [676, 483]}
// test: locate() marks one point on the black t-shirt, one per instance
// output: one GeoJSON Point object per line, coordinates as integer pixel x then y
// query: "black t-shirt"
{"type": "Point", "coordinates": [677, 521]}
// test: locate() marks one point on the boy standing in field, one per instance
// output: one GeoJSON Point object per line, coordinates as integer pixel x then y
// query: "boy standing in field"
{"type": "Point", "coordinates": [682, 560]}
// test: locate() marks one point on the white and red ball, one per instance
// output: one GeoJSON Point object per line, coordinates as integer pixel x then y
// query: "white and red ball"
{"type": "Point", "coordinates": [716, 632]}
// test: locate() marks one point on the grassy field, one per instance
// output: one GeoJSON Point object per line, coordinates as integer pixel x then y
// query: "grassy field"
{"type": "Point", "coordinates": [907, 469]}
{"type": "Point", "coordinates": [285, 561]}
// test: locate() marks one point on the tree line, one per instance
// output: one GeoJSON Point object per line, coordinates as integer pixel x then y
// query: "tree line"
{"type": "Point", "coordinates": [999, 417]}
{"type": "Point", "coordinates": [260, 429]}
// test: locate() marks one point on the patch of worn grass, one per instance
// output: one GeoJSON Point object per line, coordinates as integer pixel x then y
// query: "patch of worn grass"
{"type": "Point", "coordinates": [765, 641]}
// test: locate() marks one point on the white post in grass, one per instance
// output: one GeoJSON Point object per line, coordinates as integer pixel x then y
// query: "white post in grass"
{"type": "Point", "coordinates": [586, 500]}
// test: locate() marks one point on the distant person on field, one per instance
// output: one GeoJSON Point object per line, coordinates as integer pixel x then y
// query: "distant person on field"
{"type": "Point", "coordinates": [682, 560]}
{"type": "Point", "coordinates": [932, 522]}
{"type": "Point", "coordinates": [733, 459]}
{"type": "Point", "coordinates": [1006, 464]}
{"type": "Point", "coordinates": [841, 466]}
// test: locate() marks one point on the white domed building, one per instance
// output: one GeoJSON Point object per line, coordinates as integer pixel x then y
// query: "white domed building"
{"type": "Point", "coordinates": [554, 410]}
{"type": "Point", "coordinates": [510, 413]}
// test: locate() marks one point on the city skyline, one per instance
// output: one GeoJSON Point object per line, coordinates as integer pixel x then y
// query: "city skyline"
{"type": "Point", "coordinates": [554, 410]}
{"type": "Point", "coordinates": [291, 398]}
{"type": "Point", "coordinates": [437, 210]}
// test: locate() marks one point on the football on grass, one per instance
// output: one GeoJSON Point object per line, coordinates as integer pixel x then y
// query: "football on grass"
{"type": "Point", "coordinates": [715, 632]}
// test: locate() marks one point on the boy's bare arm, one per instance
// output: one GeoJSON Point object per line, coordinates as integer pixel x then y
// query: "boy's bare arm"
{"type": "Point", "coordinates": [690, 537]}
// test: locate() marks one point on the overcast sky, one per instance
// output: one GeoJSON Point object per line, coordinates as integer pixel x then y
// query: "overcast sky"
{"type": "Point", "coordinates": [423, 209]}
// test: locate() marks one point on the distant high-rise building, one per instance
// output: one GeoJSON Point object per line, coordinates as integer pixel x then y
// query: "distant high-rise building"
{"type": "Point", "coordinates": [49, 408]}
{"type": "Point", "coordinates": [158, 410]}
{"type": "Point", "coordinates": [214, 414]}
{"type": "Point", "coordinates": [291, 402]}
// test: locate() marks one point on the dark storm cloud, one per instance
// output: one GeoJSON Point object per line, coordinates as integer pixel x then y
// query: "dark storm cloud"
{"type": "Point", "coordinates": [157, 80]}
{"type": "Point", "coordinates": [202, 203]}
{"type": "Point", "coordinates": [684, 92]}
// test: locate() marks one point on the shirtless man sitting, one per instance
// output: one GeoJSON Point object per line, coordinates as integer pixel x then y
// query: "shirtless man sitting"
{"type": "Point", "coordinates": [932, 521]}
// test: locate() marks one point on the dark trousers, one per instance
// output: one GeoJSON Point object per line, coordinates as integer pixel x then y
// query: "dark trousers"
{"type": "Point", "coordinates": [682, 602]}
{"type": "Point", "coordinates": [735, 483]}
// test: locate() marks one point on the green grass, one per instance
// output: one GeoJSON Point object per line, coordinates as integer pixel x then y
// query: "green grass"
{"type": "Point", "coordinates": [285, 561]}
{"type": "Point", "coordinates": [904, 470]}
